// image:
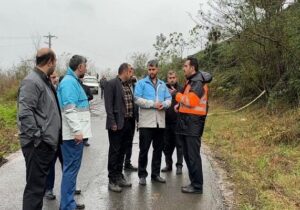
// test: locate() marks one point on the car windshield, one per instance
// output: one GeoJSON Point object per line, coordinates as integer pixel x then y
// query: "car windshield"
{"type": "Point", "coordinates": [90, 80]}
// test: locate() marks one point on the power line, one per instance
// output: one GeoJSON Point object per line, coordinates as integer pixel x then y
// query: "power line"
{"type": "Point", "coordinates": [15, 37]}
{"type": "Point", "coordinates": [49, 37]}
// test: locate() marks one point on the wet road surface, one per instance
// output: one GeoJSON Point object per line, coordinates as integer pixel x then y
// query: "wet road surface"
{"type": "Point", "coordinates": [92, 180]}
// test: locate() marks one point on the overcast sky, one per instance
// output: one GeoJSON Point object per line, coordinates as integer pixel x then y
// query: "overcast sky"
{"type": "Point", "coordinates": [107, 32]}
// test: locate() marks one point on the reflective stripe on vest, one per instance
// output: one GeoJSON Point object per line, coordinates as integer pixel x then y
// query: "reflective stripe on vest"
{"type": "Point", "coordinates": [200, 109]}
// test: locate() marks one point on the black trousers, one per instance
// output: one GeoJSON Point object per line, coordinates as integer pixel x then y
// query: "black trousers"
{"type": "Point", "coordinates": [128, 152]}
{"type": "Point", "coordinates": [171, 141]}
{"type": "Point", "coordinates": [147, 135]}
{"type": "Point", "coordinates": [102, 92]}
{"type": "Point", "coordinates": [191, 152]}
{"type": "Point", "coordinates": [38, 161]}
{"type": "Point", "coordinates": [51, 175]}
{"type": "Point", "coordinates": [118, 142]}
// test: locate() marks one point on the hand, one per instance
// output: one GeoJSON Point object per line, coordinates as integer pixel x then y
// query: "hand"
{"type": "Point", "coordinates": [161, 107]}
{"type": "Point", "coordinates": [176, 108]}
{"type": "Point", "coordinates": [172, 91]}
{"type": "Point", "coordinates": [158, 105]}
{"type": "Point", "coordinates": [78, 138]}
{"type": "Point", "coordinates": [114, 127]}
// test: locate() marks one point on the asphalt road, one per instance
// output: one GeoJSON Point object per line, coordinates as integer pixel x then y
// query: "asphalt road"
{"type": "Point", "coordinates": [93, 180]}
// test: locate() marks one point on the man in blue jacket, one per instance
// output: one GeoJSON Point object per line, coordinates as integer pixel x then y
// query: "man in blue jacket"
{"type": "Point", "coordinates": [153, 98]}
{"type": "Point", "coordinates": [76, 124]}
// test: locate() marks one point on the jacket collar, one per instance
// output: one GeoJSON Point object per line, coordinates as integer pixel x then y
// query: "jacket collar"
{"type": "Point", "coordinates": [41, 74]}
{"type": "Point", "coordinates": [149, 80]}
{"type": "Point", "coordinates": [72, 73]}
{"type": "Point", "coordinates": [196, 77]}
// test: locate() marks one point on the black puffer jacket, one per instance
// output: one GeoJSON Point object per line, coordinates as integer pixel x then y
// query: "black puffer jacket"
{"type": "Point", "coordinates": [189, 124]}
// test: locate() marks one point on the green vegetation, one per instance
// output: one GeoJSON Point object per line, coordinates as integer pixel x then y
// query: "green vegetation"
{"type": "Point", "coordinates": [261, 155]}
{"type": "Point", "coordinates": [9, 82]}
{"type": "Point", "coordinates": [8, 133]}
{"type": "Point", "coordinates": [252, 46]}
{"type": "Point", "coordinates": [261, 52]}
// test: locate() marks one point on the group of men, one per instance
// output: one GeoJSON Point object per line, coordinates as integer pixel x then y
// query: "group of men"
{"type": "Point", "coordinates": [168, 116]}
{"type": "Point", "coordinates": [54, 120]}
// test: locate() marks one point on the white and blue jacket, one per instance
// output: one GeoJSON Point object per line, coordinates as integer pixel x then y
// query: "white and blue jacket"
{"type": "Point", "coordinates": [76, 118]}
{"type": "Point", "coordinates": [146, 94]}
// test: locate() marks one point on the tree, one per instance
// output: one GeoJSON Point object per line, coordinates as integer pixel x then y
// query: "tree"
{"type": "Point", "coordinates": [139, 63]}
{"type": "Point", "coordinates": [260, 36]}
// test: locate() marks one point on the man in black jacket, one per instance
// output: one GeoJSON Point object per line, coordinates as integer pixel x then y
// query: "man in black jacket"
{"type": "Point", "coordinates": [192, 107]}
{"type": "Point", "coordinates": [39, 123]}
{"type": "Point", "coordinates": [171, 140]}
{"type": "Point", "coordinates": [102, 85]}
{"type": "Point", "coordinates": [119, 107]}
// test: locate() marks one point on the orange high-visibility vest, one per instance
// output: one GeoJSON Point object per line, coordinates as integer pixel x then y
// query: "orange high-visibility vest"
{"type": "Point", "coordinates": [190, 103]}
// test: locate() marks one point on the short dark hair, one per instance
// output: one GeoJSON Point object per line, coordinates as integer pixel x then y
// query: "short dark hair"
{"type": "Point", "coordinates": [44, 59]}
{"type": "Point", "coordinates": [153, 63]}
{"type": "Point", "coordinates": [123, 67]}
{"type": "Point", "coordinates": [193, 62]}
{"type": "Point", "coordinates": [75, 61]}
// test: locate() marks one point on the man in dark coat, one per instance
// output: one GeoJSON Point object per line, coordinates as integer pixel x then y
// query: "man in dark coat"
{"type": "Point", "coordinates": [170, 140]}
{"type": "Point", "coordinates": [119, 107]}
{"type": "Point", "coordinates": [102, 85]}
{"type": "Point", "coordinates": [192, 107]}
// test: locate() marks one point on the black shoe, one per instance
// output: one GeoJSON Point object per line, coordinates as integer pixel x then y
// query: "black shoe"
{"type": "Point", "coordinates": [186, 186]}
{"type": "Point", "coordinates": [166, 169]}
{"type": "Point", "coordinates": [179, 170]}
{"type": "Point", "coordinates": [191, 189]}
{"type": "Point", "coordinates": [142, 181]}
{"type": "Point", "coordinates": [77, 192]}
{"type": "Point", "coordinates": [49, 195]}
{"type": "Point", "coordinates": [114, 187]}
{"type": "Point", "coordinates": [87, 144]}
{"type": "Point", "coordinates": [80, 206]}
{"type": "Point", "coordinates": [158, 179]}
{"type": "Point", "coordinates": [123, 183]}
{"type": "Point", "coordinates": [129, 167]}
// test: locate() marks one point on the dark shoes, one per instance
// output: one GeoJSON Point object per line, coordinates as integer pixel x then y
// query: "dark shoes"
{"type": "Point", "coordinates": [49, 195]}
{"type": "Point", "coordinates": [166, 169]}
{"type": "Point", "coordinates": [80, 206]}
{"type": "Point", "coordinates": [77, 192]}
{"type": "Point", "coordinates": [123, 183]}
{"type": "Point", "coordinates": [191, 189]}
{"type": "Point", "coordinates": [158, 179]}
{"type": "Point", "coordinates": [142, 181]}
{"type": "Point", "coordinates": [129, 167]}
{"type": "Point", "coordinates": [179, 170]}
{"type": "Point", "coordinates": [87, 144]}
{"type": "Point", "coordinates": [114, 187]}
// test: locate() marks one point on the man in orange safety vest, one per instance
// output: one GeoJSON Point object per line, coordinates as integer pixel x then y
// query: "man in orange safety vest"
{"type": "Point", "coordinates": [192, 107]}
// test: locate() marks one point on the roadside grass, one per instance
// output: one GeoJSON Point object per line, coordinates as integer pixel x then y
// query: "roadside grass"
{"type": "Point", "coordinates": [8, 140]}
{"type": "Point", "coordinates": [261, 154]}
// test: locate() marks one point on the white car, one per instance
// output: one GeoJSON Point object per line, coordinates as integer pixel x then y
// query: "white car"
{"type": "Point", "coordinates": [92, 83]}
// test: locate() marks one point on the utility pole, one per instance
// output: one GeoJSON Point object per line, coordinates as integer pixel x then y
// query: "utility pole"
{"type": "Point", "coordinates": [49, 37]}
